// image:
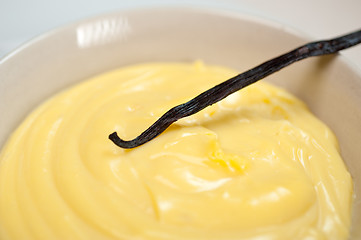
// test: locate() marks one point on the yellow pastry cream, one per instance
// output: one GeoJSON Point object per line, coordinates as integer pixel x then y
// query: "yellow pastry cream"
{"type": "Point", "coordinates": [256, 165]}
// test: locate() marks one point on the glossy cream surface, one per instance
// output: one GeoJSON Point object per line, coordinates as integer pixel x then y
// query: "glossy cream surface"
{"type": "Point", "coordinates": [257, 165]}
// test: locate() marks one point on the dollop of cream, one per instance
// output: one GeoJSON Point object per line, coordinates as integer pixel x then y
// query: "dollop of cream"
{"type": "Point", "coordinates": [257, 165]}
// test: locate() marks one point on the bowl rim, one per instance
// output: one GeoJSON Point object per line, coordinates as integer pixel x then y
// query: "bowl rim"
{"type": "Point", "coordinates": [261, 19]}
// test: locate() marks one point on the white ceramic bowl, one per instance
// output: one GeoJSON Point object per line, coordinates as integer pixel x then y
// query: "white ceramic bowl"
{"type": "Point", "coordinates": [73, 53]}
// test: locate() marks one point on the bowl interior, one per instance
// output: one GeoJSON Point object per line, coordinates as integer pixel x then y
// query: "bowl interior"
{"type": "Point", "coordinates": [60, 58]}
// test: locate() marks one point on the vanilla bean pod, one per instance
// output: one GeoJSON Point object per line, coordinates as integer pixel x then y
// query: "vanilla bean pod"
{"type": "Point", "coordinates": [238, 82]}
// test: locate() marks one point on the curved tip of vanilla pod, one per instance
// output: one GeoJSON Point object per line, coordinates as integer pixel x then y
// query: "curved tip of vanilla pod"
{"type": "Point", "coordinates": [122, 143]}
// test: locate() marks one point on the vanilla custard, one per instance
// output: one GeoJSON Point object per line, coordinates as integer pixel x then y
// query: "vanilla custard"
{"type": "Point", "coordinates": [256, 165]}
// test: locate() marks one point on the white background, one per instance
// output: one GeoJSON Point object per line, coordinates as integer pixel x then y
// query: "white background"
{"type": "Point", "coordinates": [21, 20]}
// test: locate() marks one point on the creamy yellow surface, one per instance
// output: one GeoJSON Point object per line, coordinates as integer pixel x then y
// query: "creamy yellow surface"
{"type": "Point", "coordinates": [257, 164]}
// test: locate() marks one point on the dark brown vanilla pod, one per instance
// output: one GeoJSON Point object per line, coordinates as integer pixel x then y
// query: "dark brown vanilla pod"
{"type": "Point", "coordinates": [238, 82]}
